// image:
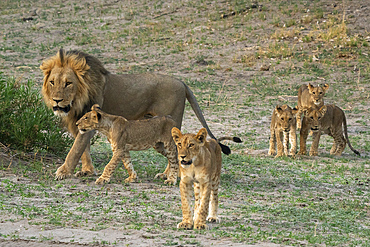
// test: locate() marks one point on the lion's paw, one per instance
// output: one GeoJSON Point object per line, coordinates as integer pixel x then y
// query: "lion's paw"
{"type": "Point", "coordinates": [62, 173]}
{"type": "Point", "coordinates": [302, 153]}
{"type": "Point", "coordinates": [185, 225]}
{"type": "Point", "coordinates": [201, 226]}
{"type": "Point", "coordinates": [102, 180]}
{"type": "Point", "coordinates": [314, 153]}
{"type": "Point", "coordinates": [213, 219]}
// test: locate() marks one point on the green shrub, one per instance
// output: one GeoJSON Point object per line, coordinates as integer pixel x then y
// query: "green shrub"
{"type": "Point", "coordinates": [25, 122]}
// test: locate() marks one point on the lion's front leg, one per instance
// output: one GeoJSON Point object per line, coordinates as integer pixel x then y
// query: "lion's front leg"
{"type": "Point", "coordinates": [110, 167]}
{"type": "Point", "coordinates": [74, 155]}
{"type": "Point", "coordinates": [202, 212]}
{"type": "Point", "coordinates": [187, 220]}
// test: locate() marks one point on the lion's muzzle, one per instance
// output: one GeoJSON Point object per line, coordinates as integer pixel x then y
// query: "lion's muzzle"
{"type": "Point", "coordinates": [62, 109]}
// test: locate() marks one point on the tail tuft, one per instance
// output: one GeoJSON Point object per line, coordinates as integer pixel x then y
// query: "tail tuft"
{"type": "Point", "coordinates": [225, 149]}
{"type": "Point", "coordinates": [237, 139]}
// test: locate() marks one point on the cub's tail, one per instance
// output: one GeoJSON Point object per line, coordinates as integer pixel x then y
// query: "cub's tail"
{"type": "Point", "coordinates": [225, 149]}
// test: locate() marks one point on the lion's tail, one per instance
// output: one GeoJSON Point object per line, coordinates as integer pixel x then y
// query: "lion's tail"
{"type": "Point", "coordinates": [346, 135]}
{"type": "Point", "coordinates": [227, 138]}
{"type": "Point", "coordinates": [198, 112]}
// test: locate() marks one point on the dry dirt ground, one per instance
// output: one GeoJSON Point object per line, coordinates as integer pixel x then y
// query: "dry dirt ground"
{"type": "Point", "coordinates": [241, 58]}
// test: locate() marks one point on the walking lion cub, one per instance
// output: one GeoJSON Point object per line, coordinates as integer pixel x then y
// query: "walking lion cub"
{"type": "Point", "coordinates": [200, 163]}
{"type": "Point", "coordinates": [283, 126]}
{"type": "Point", "coordinates": [329, 119]}
{"type": "Point", "coordinates": [133, 135]}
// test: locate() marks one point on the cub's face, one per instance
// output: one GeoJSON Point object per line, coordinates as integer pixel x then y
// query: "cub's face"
{"type": "Point", "coordinates": [88, 121]}
{"type": "Point", "coordinates": [313, 118]}
{"type": "Point", "coordinates": [286, 117]}
{"type": "Point", "coordinates": [188, 145]}
{"type": "Point", "coordinates": [317, 93]}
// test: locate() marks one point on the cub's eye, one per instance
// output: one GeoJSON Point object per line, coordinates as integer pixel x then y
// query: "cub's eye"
{"type": "Point", "coordinates": [311, 118]}
{"type": "Point", "coordinates": [191, 145]}
{"type": "Point", "coordinates": [313, 92]}
{"type": "Point", "coordinates": [282, 119]}
{"type": "Point", "coordinates": [319, 118]}
{"type": "Point", "coordinates": [52, 83]}
{"type": "Point", "coordinates": [179, 145]}
{"type": "Point", "coordinates": [320, 92]}
{"type": "Point", "coordinates": [290, 119]}
{"type": "Point", "coordinates": [68, 83]}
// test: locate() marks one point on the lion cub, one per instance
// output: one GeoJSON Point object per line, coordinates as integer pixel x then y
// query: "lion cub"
{"type": "Point", "coordinates": [328, 119]}
{"type": "Point", "coordinates": [200, 163]}
{"type": "Point", "coordinates": [283, 123]}
{"type": "Point", "coordinates": [135, 135]}
{"type": "Point", "coordinates": [310, 96]}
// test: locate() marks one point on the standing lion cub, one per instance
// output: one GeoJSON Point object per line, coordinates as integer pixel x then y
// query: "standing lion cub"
{"type": "Point", "coordinates": [135, 135]}
{"type": "Point", "coordinates": [200, 163]}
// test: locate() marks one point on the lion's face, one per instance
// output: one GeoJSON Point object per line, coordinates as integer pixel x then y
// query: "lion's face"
{"type": "Point", "coordinates": [188, 145]}
{"type": "Point", "coordinates": [286, 117]}
{"type": "Point", "coordinates": [317, 93]}
{"type": "Point", "coordinates": [61, 85]}
{"type": "Point", "coordinates": [313, 117]}
{"type": "Point", "coordinates": [88, 122]}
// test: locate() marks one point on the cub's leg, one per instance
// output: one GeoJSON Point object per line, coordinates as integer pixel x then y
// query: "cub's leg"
{"type": "Point", "coordinates": [279, 143]}
{"type": "Point", "coordinates": [132, 175]}
{"type": "Point", "coordinates": [272, 150]}
{"type": "Point", "coordinates": [110, 167]}
{"type": "Point", "coordinates": [197, 196]}
{"type": "Point", "coordinates": [299, 117]}
{"type": "Point", "coordinates": [302, 139]}
{"type": "Point", "coordinates": [172, 169]}
{"type": "Point", "coordinates": [213, 204]}
{"type": "Point", "coordinates": [293, 141]}
{"type": "Point", "coordinates": [315, 143]}
{"type": "Point", "coordinates": [187, 220]}
{"type": "Point", "coordinates": [87, 166]}
{"type": "Point", "coordinates": [201, 215]}
{"type": "Point", "coordinates": [340, 142]}
{"type": "Point", "coordinates": [286, 143]}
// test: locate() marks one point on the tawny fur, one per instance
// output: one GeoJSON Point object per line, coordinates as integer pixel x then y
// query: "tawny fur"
{"type": "Point", "coordinates": [74, 81]}
{"type": "Point", "coordinates": [283, 129]}
{"type": "Point", "coordinates": [328, 119]}
{"type": "Point", "coordinates": [134, 135]}
{"type": "Point", "coordinates": [310, 97]}
{"type": "Point", "coordinates": [200, 164]}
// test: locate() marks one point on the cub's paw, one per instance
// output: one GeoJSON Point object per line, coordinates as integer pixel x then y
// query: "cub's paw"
{"type": "Point", "coordinates": [85, 173]}
{"type": "Point", "coordinates": [213, 219]}
{"type": "Point", "coordinates": [62, 173]}
{"type": "Point", "coordinates": [185, 225]}
{"type": "Point", "coordinates": [130, 180]}
{"type": "Point", "coordinates": [201, 226]}
{"type": "Point", "coordinates": [102, 180]}
{"type": "Point", "coordinates": [271, 152]}
{"type": "Point", "coordinates": [302, 153]}
{"type": "Point", "coordinates": [171, 181]}
{"type": "Point", "coordinates": [161, 176]}
{"type": "Point", "coordinates": [314, 153]}
{"type": "Point", "coordinates": [278, 155]}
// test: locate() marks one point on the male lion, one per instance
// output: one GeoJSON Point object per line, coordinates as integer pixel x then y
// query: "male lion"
{"type": "Point", "coordinates": [283, 123]}
{"type": "Point", "coordinates": [74, 81]}
{"type": "Point", "coordinates": [134, 135]}
{"type": "Point", "coordinates": [328, 119]}
{"type": "Point", "coordinates": [310, 96]}
{"type": "Point", "coordinates": [200, 163]}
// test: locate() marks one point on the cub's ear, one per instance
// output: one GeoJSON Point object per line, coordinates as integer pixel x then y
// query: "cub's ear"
{"type": "Point", "coordinates": [96, 116]}
{"type": "Point", "coordinates": [201, 136]}
{"type": "Point", "coordinates": [323, 110]}
{"type": "Point", "coordinates": [310, 87]}
{"type": "Point", "coordinates": [325, 87]}
{"type": "Point", "coordinates": [278, 110]}
{"type": "Point", "coordinates": [176, 134]}
{"type": "Point", "coordinates": [95, 107]}
{"type": "Point", "coordinates": [294, 110]}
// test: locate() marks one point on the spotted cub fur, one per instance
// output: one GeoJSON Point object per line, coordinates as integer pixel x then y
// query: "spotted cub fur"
{"type": "Point", "coordinates": [135, 135]}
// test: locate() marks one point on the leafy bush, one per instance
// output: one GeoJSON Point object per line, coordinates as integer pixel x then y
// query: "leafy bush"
{"type": "Point", "coordinates": [25, 122]}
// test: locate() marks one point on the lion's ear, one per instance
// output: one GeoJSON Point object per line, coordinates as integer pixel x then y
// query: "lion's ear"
{"type": "Point", "coordinates": [278, 110]}
{"type": "Point", "coordinates": [96, 116]}
{"type": "Point", "coordinates": [201, 136]}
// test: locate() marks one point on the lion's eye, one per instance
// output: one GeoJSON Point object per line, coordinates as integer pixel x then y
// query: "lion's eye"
{"type": "Point", "coordinates": [282, 119]}
{"type": "Point", "coordinates": [311, 118]}
{"type": "Point", "coordinates": [319, 118]}
{"type": "Point", "coordinates": [290, 119]}
{"type": "Point", "coordinates": [191, 145]}
{"type": "Point", "coordinates": [52, 83]}
{"type": "Point", "coordinates": [313, 92]}
{"type": "Point", "coordinates": [68, 83]}
{"type": "Point", "coordinates": [320, 92]}
{"type": "Point", "coordinates": [179, 145]}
